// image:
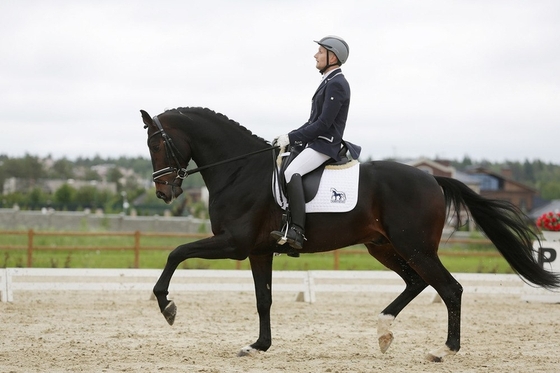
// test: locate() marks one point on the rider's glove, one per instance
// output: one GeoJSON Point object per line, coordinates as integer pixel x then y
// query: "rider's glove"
{"type": "Point", "coordinates": [281, 141]}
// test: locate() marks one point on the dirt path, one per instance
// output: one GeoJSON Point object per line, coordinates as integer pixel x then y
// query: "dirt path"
{"type": "Point", "coordinates": [116, 332]}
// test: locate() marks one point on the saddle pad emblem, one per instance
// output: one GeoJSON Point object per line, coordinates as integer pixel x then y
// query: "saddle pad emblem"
{"type": "Point", "coordinates": [337, 197]}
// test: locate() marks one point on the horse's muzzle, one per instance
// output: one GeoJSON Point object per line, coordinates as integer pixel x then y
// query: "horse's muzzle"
{"type": "Point", "coordinates": [169, 194]}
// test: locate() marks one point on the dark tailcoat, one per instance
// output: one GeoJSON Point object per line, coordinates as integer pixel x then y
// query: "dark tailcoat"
{"type": "Point", "coordinates": [329, 110]}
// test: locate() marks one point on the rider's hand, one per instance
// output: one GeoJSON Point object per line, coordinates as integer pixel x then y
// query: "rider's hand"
{"type": "Point", "coordinates": [281, 141]}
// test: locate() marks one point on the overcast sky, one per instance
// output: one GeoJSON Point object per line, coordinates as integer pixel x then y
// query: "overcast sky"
{"type": "Point", "coordinates": [431, 78]}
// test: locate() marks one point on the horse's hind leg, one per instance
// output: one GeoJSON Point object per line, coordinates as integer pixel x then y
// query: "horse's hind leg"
{"type": "Point", "coordinates": [414, 286]}
{"type": "Point", "coordinates": [417, 274]}
{"type": "Point", "coordinates": [421, 269]}
{"type": "Point", "coordinates": [435, 274]}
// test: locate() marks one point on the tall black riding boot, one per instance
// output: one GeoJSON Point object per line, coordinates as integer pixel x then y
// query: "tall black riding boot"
{"type": "Point", "coordinates": [296, 232]}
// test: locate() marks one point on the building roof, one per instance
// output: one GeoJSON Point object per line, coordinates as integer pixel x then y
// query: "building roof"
{"type": "Point", "coordinates": [433, 164]}
{"type": "Point", "coordinates": [553, 206]}
{"type": "Point", "coordinates": [466, 178]}
{"type": "Point", "coordinates": [485, 171]}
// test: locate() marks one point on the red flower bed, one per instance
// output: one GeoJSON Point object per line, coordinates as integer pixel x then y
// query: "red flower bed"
{"type": "Point", "coordinates": [549, 221]}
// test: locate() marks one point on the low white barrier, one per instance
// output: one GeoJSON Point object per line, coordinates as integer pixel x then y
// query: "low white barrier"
{"type": "Point", "coordinates": [390, 282]}
{"type": "Point", "coordinates": [550, 251]}
{"type": "Point", "coordinates": [3, 285]}
{"type": "Point", "coordinates": [40, 279]}
{"type": "Point", "coordinates": [305, 284]}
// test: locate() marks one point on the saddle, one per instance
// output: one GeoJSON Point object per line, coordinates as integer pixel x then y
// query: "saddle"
{"type": "Point", "coordinates": [312, 179]}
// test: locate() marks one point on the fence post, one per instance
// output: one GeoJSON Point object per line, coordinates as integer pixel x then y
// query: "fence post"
{"type": "Point", "coordinates": [336, 260]}
{"type": "Point", "coordinates": [137, 249]}
{"type": "Point", "coordinates": [30, 248]}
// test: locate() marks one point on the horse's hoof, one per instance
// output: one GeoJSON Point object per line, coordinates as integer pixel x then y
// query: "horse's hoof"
{"type": "Point", "coordinates": [385, 341]}
{"type": "Point", "coordinates": [384, 333]}
{"type": "Point", "coordinates": [434, 359]}
{"type": "Point", "coordinates": [438, 355]}
{"type": "Point", "coordinates": [170, 312]}
{"type": "Point", "coordinates": [247, 351]}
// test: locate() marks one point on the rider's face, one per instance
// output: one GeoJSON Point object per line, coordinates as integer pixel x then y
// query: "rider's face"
{"type": "Point", "coordinates": [324, 58]}
{"type": "Point", "coordinates": [321, 58]}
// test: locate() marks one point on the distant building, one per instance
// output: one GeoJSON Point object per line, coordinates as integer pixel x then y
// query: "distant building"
{"type": "Point", "coordinates": [436, 168]}
{"type": "Point", "coordinates": [444, 168]}
{"type": "Point", "coordinates": [49, 186]}
{"type": "Point", "coordinates": [501, 186]}
{"type": "Point", "coordinates": [487, 183]}
{"type": "Point", "coordinates": [551, 206]}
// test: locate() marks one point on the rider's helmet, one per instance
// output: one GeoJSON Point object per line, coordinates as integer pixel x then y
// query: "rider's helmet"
{"type": "Point", "coordinates": [337, 45]}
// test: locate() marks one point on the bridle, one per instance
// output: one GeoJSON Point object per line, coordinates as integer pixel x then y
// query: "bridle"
{"type": "Point", "coordinates": [172, 153]}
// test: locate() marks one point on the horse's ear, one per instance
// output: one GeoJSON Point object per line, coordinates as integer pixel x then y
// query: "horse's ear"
{"type": "Point", "coordinates": [147, 119]}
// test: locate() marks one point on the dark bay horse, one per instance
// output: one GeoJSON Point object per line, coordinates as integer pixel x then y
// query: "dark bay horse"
{"type": "Point", "coordinates": [399, 217]}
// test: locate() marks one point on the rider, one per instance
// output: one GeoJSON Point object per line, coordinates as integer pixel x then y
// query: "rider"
{"type": "Point", "coordinates": [321, 136]}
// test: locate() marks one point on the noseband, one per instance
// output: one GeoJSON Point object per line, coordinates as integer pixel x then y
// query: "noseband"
{"type": "Point", "coordinates": [171, 152]}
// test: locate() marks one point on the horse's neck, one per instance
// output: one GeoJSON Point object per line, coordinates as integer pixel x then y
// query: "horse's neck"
{"type": "Point", "coordinates": [217, 141]}
{"type": "Point", "coordinates": [221, 143]}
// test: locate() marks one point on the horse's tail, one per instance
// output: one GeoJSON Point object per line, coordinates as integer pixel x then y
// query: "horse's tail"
{"type": "Point", "coordinates": [505, 225]}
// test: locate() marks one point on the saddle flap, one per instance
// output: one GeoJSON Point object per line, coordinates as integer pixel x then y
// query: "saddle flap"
{"type": "Point", "coordinates": [311, 183]}
{"type": "Point", "coordinates": [310, 180]}
{"type": "Point", "coordinates": [337, 184]}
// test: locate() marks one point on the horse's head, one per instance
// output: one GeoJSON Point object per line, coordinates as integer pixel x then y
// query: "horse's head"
{"type": "Point", "coordinates": [169, 164]}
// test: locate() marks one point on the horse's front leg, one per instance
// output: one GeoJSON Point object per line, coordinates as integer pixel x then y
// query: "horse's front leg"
{"type": "Point", "coordinates": [216, 247]}
{"type": "Point", "coordinates": [261, 266]}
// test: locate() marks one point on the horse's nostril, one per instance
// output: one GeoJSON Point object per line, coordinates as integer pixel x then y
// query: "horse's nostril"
{"type": "Point", "coordinates": [160, 195]}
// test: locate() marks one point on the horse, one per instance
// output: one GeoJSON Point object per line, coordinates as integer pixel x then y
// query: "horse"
{"type": "Point", "coordinates": [399, 217]}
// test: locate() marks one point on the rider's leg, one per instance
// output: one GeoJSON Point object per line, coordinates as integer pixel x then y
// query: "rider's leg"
{"type": "Point", "coordinates": [305, 162]}
{"type": "Point", "coordinates": [296, 199]}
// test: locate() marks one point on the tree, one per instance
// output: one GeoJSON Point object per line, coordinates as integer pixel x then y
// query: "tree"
{"type": "Point", "coordinates": [550, 190]}
{"type": "Point", "coordinates": [114, 175]}
{"type": "Point", "coordinates": [9, 200]}
{"type": "Point", "coordinates": [86, 197]}
{"type": "Point", "coordinates": [27, 167]}
{"type": "Point", "coordinates": [62, 169]}
{"type": "Point", "coordinates": [64, 195]}
{"type": "Point", "coordinates": [90, 174]}
{"type": "Point", "coordinates": [37, 198]}
{"type": "Point", "coordinates": [528, 171]}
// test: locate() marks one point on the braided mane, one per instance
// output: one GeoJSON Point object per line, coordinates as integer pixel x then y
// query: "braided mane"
{"type": "Point", "coordinates": [202, 111]}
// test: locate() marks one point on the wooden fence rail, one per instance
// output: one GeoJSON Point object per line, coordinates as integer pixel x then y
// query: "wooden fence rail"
{"type": "Point", "coordinates": [137, 246]}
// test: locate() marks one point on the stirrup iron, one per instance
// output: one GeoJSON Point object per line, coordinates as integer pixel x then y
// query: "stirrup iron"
{"type": "Point", "coordinates": [284, 238]}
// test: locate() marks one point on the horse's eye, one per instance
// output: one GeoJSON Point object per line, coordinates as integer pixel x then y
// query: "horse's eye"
{"type": "Point", "coordinates": [154, 146]}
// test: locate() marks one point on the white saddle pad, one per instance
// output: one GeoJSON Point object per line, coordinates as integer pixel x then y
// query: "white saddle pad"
{"type": "Point", "coordinates": [338, 190]}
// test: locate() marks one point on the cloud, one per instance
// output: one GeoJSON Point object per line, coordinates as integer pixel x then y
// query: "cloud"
{"type": "Point", "coordinates": [429, 78]}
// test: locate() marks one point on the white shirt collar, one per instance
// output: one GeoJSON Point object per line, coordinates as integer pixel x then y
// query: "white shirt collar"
{"type": "Point", "coordinates": [326, 75]}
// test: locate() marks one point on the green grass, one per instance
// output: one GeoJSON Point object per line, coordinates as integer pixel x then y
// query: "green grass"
{"type": "Point", "coordinates": [157, 259]}
{"type": "Point", "coordinates": [64, 250]}
{"type": "Point", "coordinates": [473, 264]}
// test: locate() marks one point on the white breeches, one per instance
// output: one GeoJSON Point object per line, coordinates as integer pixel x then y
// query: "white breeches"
{"type": "Point", "coordinates": [305, 162]}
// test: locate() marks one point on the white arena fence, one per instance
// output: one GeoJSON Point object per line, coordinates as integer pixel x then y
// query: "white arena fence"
{"type": "Point", "coordinates": [304, 284]}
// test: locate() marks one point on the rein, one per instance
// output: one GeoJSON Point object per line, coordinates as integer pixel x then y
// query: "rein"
{"type": "Point", "coordinates": [198, 169]}
{"type": "Point", "coordinates": [182, 172]}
